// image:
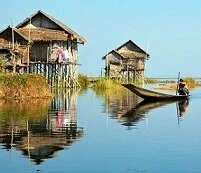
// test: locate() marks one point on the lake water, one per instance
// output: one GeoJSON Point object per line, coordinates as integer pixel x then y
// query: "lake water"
{"type": "Point", "coordinates": [93, 132]}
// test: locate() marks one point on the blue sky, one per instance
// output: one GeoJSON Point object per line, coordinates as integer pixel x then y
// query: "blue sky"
{"type": "Point", "coordinates": [169, 30]}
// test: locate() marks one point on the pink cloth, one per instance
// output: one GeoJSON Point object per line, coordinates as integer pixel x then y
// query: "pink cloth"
{"type": "Point", "coordinates": [60, 56]}
{"type": "Point", "coordinates": [59, 119]}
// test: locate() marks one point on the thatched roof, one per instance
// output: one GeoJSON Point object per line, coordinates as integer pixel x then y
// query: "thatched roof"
{"type": "Point", "coordinates": [128, 50]}
{"type": "Point", "coordinates": [38, 34]}
{"type": "Point", "coordinates": [131, 54]}
{"type": "Point", "coordinates": [65, 28]}
{"type": "Point", "coordinates": [139, 51]}
{"type": "Point", "coordinates": [112, 52]}
{"type": "Point", "coordinates": [9, 28]}
{"type": "Point", "coordinates": [41, 34]}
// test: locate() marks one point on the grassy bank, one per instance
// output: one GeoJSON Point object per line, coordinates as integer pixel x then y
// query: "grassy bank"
{"type": "Point", "coordinates": [107, 84]}
{"type": "Point", "coordinates": [20, 86]}
{"type": "Point", "coordinates": [191, 83]}
{"type": "Point", "coordinates": [107, 87]}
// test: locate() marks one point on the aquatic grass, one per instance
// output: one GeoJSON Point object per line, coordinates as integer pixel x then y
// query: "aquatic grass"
{"type": "Point", "coordinates": [151, 81]}
{"type": "Point", "coordinates": [83, 80]}
{"type": "Point", "coordinates": [191, 82]}
{"type": "Point", "coordinates": [13, 80]}
{"type": "Point", "coordinates": [23, 86]}
{"type": "Point", "coordinates": [106, 86]}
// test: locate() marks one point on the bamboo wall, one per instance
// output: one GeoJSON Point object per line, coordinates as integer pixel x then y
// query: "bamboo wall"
{"type": "Point", "coordinates": [131, 69]}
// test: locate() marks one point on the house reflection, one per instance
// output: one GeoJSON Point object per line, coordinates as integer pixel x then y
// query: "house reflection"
{"type": "Point", "coordinates": [116, 106]}
{"type": "Point", "coordinates": [40, 130]}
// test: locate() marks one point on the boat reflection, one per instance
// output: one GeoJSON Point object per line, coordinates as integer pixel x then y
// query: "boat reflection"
{"type": "Point", "coordinates": [130, 109]}
{"type": "Point", "coordinates": [137, 113]}
{"type": "Point", "coordinates": [40, 129]}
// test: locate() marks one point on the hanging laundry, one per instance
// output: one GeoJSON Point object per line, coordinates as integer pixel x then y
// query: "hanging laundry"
{"type": "Point", "coordinates": [60, 56]}
{"type": "Point", "coordinates": [66, 54]}
{"type": "Point", "coordinates": [53, 52]}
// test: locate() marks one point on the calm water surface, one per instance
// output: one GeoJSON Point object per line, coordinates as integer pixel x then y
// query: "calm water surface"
{"type": "Point", "coordinates": [91, 132]}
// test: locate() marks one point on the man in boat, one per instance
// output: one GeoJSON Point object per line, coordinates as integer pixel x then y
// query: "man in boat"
{"type": "Point", "coordinates": [183, 88]}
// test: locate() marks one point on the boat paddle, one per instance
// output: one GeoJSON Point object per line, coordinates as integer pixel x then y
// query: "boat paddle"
{"type": "Point", "coordinates": [178, 83]}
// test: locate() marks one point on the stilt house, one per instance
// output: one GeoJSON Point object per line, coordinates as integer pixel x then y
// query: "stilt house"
{"type": "Point", "coordinates": [42, 44]}
{"type": "Point", "coordinates": [126, 62]}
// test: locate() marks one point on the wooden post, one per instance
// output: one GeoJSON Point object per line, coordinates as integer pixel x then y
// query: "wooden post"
{"type": "Point", "coordinates": [28, 49]}
{"type": "Point", "coordinates": [127, 73]}
{"type": "Point", "coordinates": [51, 75]}
{"type": "Point", "coordinates": [13, 41]}
{"type": "Point", "coordinates": [107, 66]}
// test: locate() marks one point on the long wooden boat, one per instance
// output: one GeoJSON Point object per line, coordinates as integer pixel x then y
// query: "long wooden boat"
{"type": "Point", "coordinates": [153, 95]}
